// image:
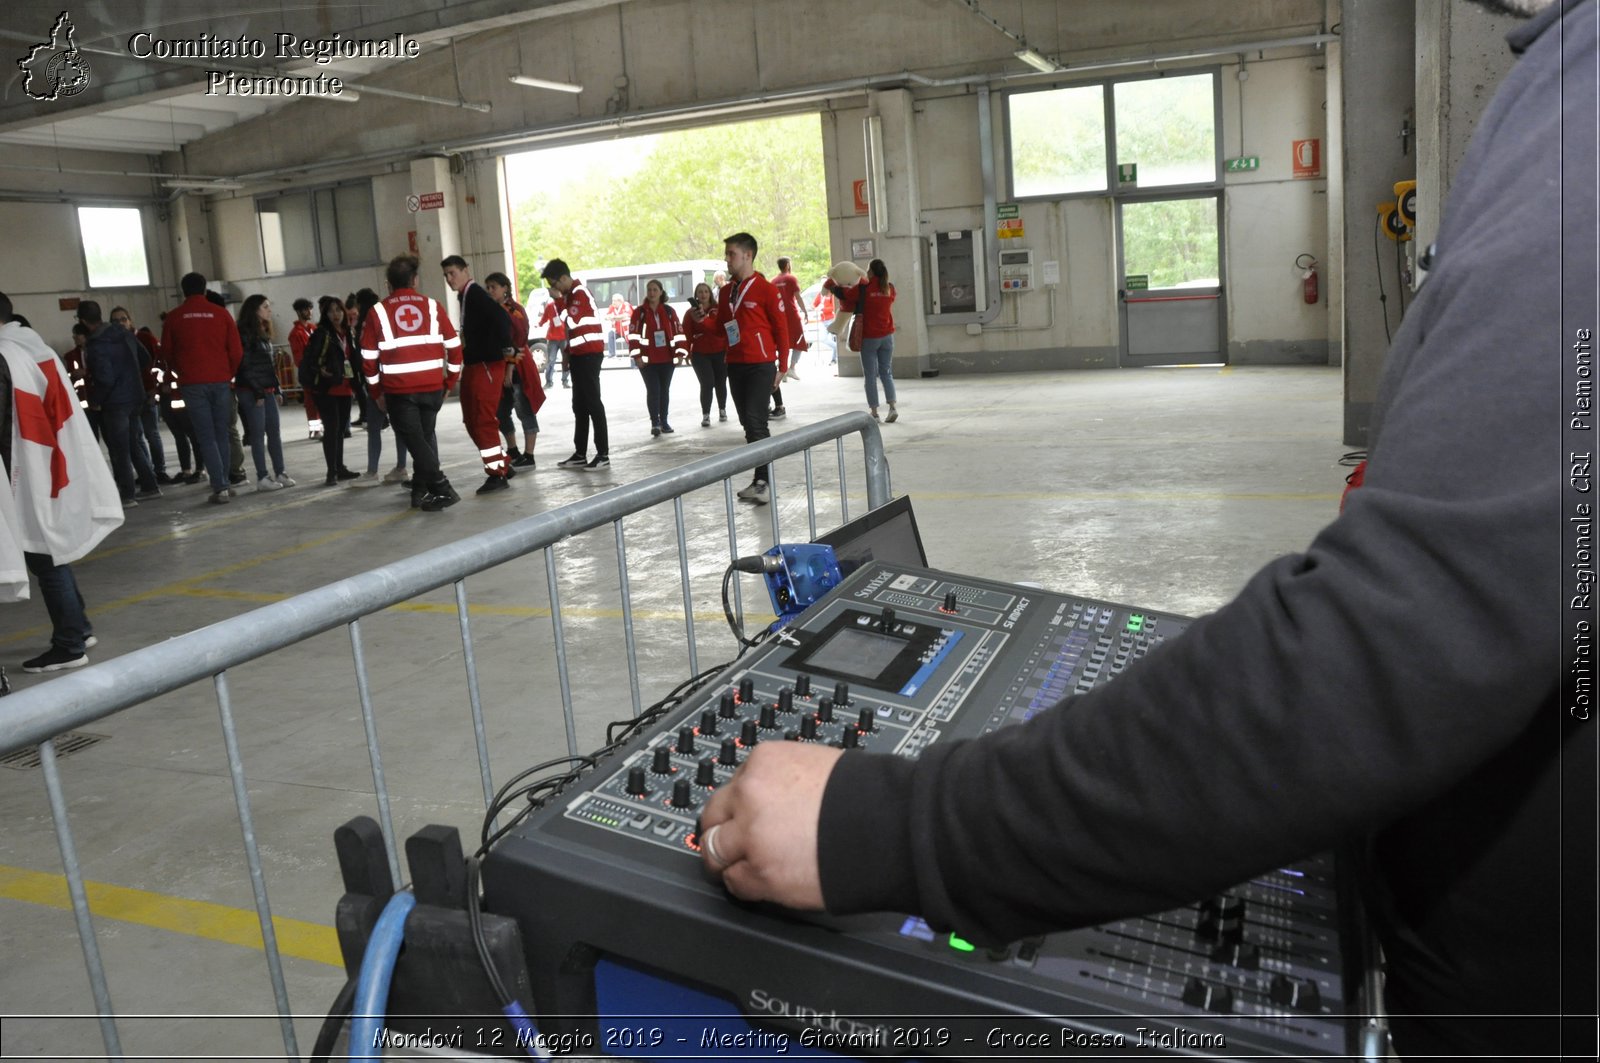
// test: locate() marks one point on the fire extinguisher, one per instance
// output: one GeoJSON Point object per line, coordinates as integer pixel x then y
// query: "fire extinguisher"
{"type": "Point", "coordinates": [1309, 288]}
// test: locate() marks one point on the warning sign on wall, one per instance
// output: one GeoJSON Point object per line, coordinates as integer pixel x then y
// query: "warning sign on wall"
{"type": "Point", "coordinates": [1307, 157]}
{"type": "Point", "coordinates": [860, 190]}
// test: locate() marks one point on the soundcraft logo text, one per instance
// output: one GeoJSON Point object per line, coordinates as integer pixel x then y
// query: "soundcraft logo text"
{"type": "Point", "coordinates": [55, 68]}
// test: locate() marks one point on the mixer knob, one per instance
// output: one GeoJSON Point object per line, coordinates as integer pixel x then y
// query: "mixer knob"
{"type": "Point", "coordinates": [661, 761]}
{"type": "Point", "coordinates": [1245, 956]}
{"type": "Point", "coordinates": [1301, 994]}
{"type": "Point", "coordinates": [681, 794]}
{"type": "Point", "coordinates": [727, 708]}
{"type": "Point", "coordinates": [841, 693]}
{"type": "Point", "coordinates": [850, 739]}
{"type": "Point", "coordinates": [886, 621]}
{"type": "Point", "coordinates": [636, 785]}
{"type": "Point", "coordinates": [686, 740]}
{"type": "Point", "coordinates": [802, 686]}
{"type": "Point", "coordinates": [825, 710]}
{"type": "Point", "coordinates": [808, 727]}
{"type": "Point", "coordinates": [747, 734]}
{"type": "Point", "coordinates": [864, 721]}
{"type": "Point", "coordinates": [747, 690]}
{"type": "Point", "coordinates": [785, 700]}
{"type": "Point", "coordinates": [708, 722]}
{"type": "Point", "coordinates": [950, 602]}
{"type": "Point", "coordinates": [769, 718]}
{"type": "Point", "coordinates": [1199, 993]}
{"type": "Point", "coordinates": [705, 773]}
{"type": "Point", "coordinates": [730, 753]}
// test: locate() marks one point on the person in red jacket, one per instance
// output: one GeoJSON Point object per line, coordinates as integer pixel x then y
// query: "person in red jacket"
{"type": "Point", "coordinates": [326, 378]}
{"type": "Point", "coordinates": [873, 299]}
{"type": "Point", "coordinates": [823, 305]}
{"type": "Point", "coordinates": [796, 315]}
{"type": "Point", "coordinates": [77, 364]}
{"type": "Point", "coordinates": [410, 355]}
{"type": "Point", "coordinates": [585, 352]}
{"type": "Point", "coordinates": [521, 392]}
{"type": "Point", "coordinates": [201, 341]}
{"type": "Point", "coordinates": [656, 342]}
{"type": "Point", "coordinates": [708, 352]}
{"type": "Point", "coordinates": [299, 333]}
{"type": "Point", "coordinates": [618, 314]}
{"type": "Point", "coordinates": [555, 342]}
{"type": "Point", "coordinates": [751, 314]}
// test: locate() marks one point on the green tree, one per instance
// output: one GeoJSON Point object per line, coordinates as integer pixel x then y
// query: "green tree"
{"type": "Point", "coordinates": [694, 188]}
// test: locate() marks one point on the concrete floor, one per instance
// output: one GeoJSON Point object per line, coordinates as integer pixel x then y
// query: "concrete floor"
{"type": "Point", "coordinates": [1159, 488]}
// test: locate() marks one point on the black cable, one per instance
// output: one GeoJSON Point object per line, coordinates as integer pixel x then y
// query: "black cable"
{"type": "Point", "coordinates": [727, 610]}
{"type": "Point", "coordinates": [1377, 258]}
{"type": "Point", "coordinates": [1353, 458]}
{"type": "Point", "coordinates": [475, 921]}
{"type": "Point", "coordinates": [1400, 277]}
{"type": "Point", "coordinates": [338, 1015]}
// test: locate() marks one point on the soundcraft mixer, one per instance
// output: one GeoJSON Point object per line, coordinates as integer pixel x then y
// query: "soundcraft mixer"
{"type": "Point", "coordinates": [633, 948]}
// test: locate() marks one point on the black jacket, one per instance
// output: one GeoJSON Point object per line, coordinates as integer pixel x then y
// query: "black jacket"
{"type": "Point", "coordinates": [485, 326]}
{"type": "Point", "coordinates": [1399, 679]}
{"type": "Point", "coordinates": [115, 363]}
{"type": "Point", "coordinates": [258, 369]}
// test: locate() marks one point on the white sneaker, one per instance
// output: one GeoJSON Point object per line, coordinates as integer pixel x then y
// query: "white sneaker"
{"type": "Point", "coordinates": [267, 483]}
{"type": "Point", "coordinates": [894, 415]}
{"type": "Point", "coordinates": [757, 493]}
{"type": "Point", "coordinates": [395, 475]}
{"type": "Point", "coordinates": [284, 479]}
{"type": "Point", "coordinates": [366, 479]}
{"type": "Point", "coordinates": [792, 375]}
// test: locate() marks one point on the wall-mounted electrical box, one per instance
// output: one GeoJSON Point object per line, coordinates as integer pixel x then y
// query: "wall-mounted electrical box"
{"type": "Point", "coordinates": [959, 279]}
{"type": "Point", "coordinates": [1016, 271]}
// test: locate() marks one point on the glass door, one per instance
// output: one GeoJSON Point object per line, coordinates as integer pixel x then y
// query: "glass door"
{"type": "Point", "coordinates": [1170, 287]}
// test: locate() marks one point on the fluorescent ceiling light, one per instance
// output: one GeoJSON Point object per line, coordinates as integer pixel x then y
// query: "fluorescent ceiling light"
{"type": "Point", "coordinates": [1037, 61]}
{"type": "Point", "coordinates": [541, 83]}
{"type": "Point", "coordinates": [212, 184]}
{"type": "Point", "coordinates": [346, 96]}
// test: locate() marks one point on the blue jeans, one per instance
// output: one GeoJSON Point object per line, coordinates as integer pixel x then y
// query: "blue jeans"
{"type": "Point", "coordinates": [151, 420]}
{"type": "Point", "coordinates": [657, 389]}
{"type": "Point", "coordinates": [69, 621]}
{"type": "Point", "coordinates": [377, 421]}
{"type": "Point", "coordinates": [210, 409]}
{"type": "Point", "coordinates": [260, 412]}
{"type": "Point", "coordinates": [552, 355]}
{"type": "Point", "coordinates": [119, 425]}
{"type": "Point", "coordinates": [877, 362]}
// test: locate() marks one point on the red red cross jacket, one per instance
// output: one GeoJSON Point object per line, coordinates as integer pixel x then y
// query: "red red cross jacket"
{"type": "Point", "coordinates": [408, 345]}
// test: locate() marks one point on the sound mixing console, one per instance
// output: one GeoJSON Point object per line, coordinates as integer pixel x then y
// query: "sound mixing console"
{"type": "Point", "coordinates": [630, 944]}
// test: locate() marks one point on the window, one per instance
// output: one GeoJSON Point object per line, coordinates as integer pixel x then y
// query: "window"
{"type": "Point", "coordinates": [1168, 128]}
{"type": "Point", "coordinates": [1165, 126]}
{"type": "Point", "coordinates": [113, 246]}
{"type": "Point", "coordinates": [1058, 141]}
{"type": "Point", "coordinates": [324, 229]}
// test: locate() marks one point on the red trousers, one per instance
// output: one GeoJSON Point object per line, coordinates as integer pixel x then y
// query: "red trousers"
{"type": "Point", "coordinates": [480, 398]}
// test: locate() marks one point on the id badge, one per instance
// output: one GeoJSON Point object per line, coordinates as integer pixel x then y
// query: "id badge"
{"type": "Point", "coordinates": [660, 339]}
{"type": "Point", "coordinates": [732, 331]}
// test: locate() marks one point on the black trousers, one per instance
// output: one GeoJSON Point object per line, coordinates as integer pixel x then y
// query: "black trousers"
{"type": "Point", "coordinates": [586, 405]}
{"type": "Point", "coordinates": [750, 385]}
{"type": "Point", "coordinates": [712, 372]}
{"type": "Point", "coordinates": [333, 409]}
{"type": "Point", "coordinates": [413, 415]}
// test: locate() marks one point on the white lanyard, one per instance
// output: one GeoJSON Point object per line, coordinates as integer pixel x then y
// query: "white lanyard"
{"type": "Point", "coordinates": [740, 297]}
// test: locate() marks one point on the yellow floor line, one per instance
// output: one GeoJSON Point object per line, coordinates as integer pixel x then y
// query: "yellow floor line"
{"type": "Point", "coordinates": [1127, 496]}
{"type": "Point", "coordinates": [201, 919]}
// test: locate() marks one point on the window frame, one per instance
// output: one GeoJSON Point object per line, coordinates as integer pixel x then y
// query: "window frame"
{"type": "Point", "coordinates": [83, 250]}
{"type": "Point", "coordinates": [1108, 101]}
{"type": "Point", "coordinates": [318, 235]}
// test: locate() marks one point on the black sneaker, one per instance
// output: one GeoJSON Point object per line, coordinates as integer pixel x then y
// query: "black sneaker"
{"type": "Point", "coordinates": [55, 660]}
{"type": "Point", "coordinates": [147, 493]}
{"type": "Point", "coordinates": [778, 414]}
{"type": "Point", "coordinates": [238, 478]}
{"type": "Point", "coordinates": [347, 474]}
{"type": "Point", "coordinates": [524, 461]}
{"type": "Point", "coordinates": [166, 479]}
{"type": "Point", "coordinates": [408, 484]}
{"type": "Point", "coordinates": [192, 477]}
{"type": "Point", "coordinates": [442, 496]}
{"type": "Point", "coordinates": [667, 430]}
{"type": "Point", "coordinates": [598, 462]}
{"type": "Point", "coordinates": [510, 472]}
{"type": "Point", "coordinates": [491, 484]}
{"type": "Point", "coordinates": [577, 461]}
{"type": "Point", "coordinates": [655, 430]}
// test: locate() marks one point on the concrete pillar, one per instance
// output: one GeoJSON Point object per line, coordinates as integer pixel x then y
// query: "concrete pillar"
{"type": "Point", "coordinates": [1378, 103]}
{"type": "Point", "coordinates": [1461, 58]}
{"type": "Point", "coordinates": [438, 231]}
{"type": "Point", "coordinates": [902, 245]}
{"type": "Point", "coordinates": [1333, 269]}
{"type": "Point", "coordinates": [191, 238]}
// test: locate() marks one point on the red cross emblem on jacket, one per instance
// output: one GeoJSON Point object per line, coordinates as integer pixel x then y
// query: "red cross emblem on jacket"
{"type": "Point", "coordinates": [40, 419]}
{"type": "Point", "coordinates": [409, 318]}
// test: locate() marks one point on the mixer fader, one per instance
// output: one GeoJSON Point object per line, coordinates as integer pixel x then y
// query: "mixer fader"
{"type": "Point", "coordinates": [610, 890]}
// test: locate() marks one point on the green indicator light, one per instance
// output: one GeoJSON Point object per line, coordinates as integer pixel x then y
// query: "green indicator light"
{"type": "Point", "coordinates": [961, 944]}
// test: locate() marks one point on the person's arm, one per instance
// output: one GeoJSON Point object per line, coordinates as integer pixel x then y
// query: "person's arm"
{"type": "Point", "coordinates": [636, 342]}
{"type": "Point", "coordinates": [452, 352]}
{"type": "Point", "coordinates": [676, 332]}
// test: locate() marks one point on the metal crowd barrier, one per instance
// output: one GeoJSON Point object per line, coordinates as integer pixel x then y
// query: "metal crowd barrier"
{"type": "Point", "coordinates": [33, 717]}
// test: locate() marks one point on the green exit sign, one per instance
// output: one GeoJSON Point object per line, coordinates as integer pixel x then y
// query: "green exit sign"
{"type": "Point", "coordinates": [1243, 163]}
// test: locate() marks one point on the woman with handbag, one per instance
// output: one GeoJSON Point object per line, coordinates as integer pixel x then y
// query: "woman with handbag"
{"type": "Point", "coordinates": [655, 339]}
{"type": "Point", "coordinates": [256, 386]}
{"type": "Point", "coordinates": [708, 352]}
{"type": "Point", "coordinates": [872, 332]}
{"type": "Point", "coordinates": [328, 376]}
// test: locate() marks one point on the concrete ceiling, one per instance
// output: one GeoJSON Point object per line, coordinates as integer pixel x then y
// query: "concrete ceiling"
{"type": "Point", "coordinates": [150, 106]}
